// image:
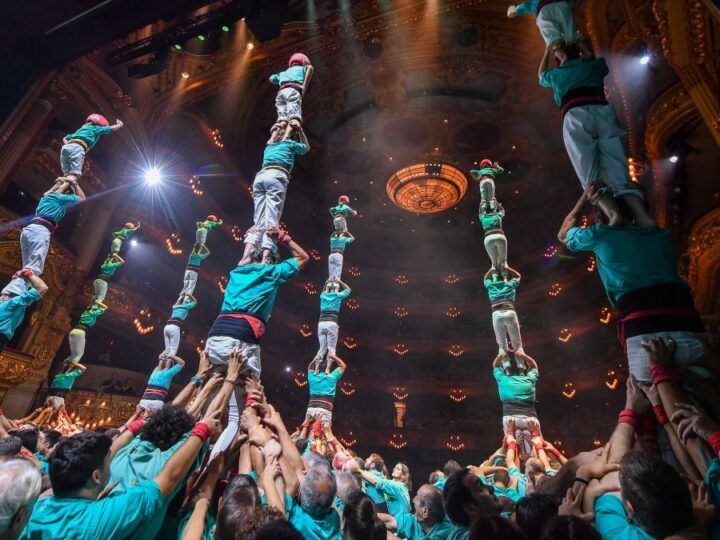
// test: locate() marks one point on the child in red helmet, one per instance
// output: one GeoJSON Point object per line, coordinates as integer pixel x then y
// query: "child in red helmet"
{"type": "Point", "coordinates": [123, 234]}
{"type": "Point", "coordinates": [77, 144]}
{"type": "Point", "coordinates": [293, 85]}
{"type": "Point", "coordinates": [201, 232]}
{"type": "Point", "coordinates": [341, 212]}
{"type": "Point", "coordinates": [486, 175]}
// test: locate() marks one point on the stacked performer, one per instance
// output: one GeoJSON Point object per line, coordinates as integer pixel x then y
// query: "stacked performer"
{"type": "Point", "coordinates": [77, 144]}
{"type": "Point", "coordinates": [12, 306]}
{"type": "Point", "coordinates": [341, 213]}
{"type": "Point", "coordinates": [293, 84]}
{"type": "Point", "coordinates": [486, 176]}
{"type": "Point", "coordinates": [159, 382]}
{"type": "Point", "coordinates": [502, 290]}
{"type": "Point", "coordinates": [491, 215]}
{"type": "Point", "coordinates": [334, 292]}
{"type": "Point", "coordinates": [54, 411]}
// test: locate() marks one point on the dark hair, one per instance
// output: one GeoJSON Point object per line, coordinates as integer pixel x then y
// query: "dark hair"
{"type": "Point", "coordinates": [375, 462]}
{"type": "Point", "coordinates": [569, 528]}
{"type": "Point", "coordinates": [241, 500]}
{"type": "Point", "coordinates": [658, 494]}
{"type": "Point", "coordinates": [29, 438]}
{"type": "Point", "coordinates": [433, 501]}
{"type": "Point", "coordinates": [278, 529]}
{"type": "Point", "coordinates": [455, 496]}
{"type": "Point", "coordinates": [10, 446]}
{"type": "Point", "coordinates": [495, 527]}
{"type": "Point", "coordinates": [360, 520]}
{"type": "Point", "coordinates": [166, 426]}
{"type": "Point", "coordinates": [245, 526]}
{"type": "Point", "coordinates": [502, 477]}
{"type": "Point", "coordinates": [74, 459]}
{"type": "Point", "coordinates": [52, 437]}
{"type": "Point", "coordinates": [300, 444]}
{"type": "Point", "coordinates": [533, 511]}
{"type": "Point", "coordinates": [451, 467]}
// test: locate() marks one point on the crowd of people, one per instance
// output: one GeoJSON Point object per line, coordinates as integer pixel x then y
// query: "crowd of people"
{"type": "Point", "coordinates": [219, 462]}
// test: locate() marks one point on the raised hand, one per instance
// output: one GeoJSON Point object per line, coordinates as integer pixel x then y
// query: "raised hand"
{"type": "Point", "coordinates": [635, 398]}
{"type": "Point", "coordinates": [691, 422]}
{"type": "Point", "coordinates": [572, 504]}
{"type": "Point", "coordinates": [659, 352]}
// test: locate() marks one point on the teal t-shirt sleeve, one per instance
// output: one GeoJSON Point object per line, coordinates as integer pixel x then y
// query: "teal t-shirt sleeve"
{"type": "Point", "coordinates": [118, 516]}
{"type": "Point", "coordinates": [712, 481]}
{"type": "Point", "coordinates": [299, 148]}
{"type": "Point", "coordinates": [533, 375]}
{"type": "Point", "coordinates": [513, 283]}
{"type": "Point", "coordinates": [392, 488]}
{"type": "Point", "coordinates": [578, 239]}
{"type": "Point", "coordinates": [523, 9]}
{"type": "Point", "coordinates": [344, 293]}
{"type": "Point", "coordinates": [286, 270]}
{"type": "Point", "coordinates": [498, 373]}
{"type": "Point", "coordinates": [612, 523]}
{"type": "Point", "coordinates": [67, 200]}
{"type": "Point", "coordinates": [513, 472]}
{"type": "Point", "coordinates": [177, 368]}
{"type": "Point", "coordinates": [336, 374]}
{"type": "Point", "coordinates": [408, 527]}
{"type": "Point", "coordinates": [23, 299]}
{"type": "Point", "coordinates": [487, 283]}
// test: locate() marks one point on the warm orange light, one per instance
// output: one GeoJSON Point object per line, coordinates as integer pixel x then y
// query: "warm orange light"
{"type": "Point", "coordinates": [458, 395]}
{"type": "Point", "coordinates": [348, 443]}
{"type": "Point", "coordinates": [315, 254]}
{"type": "Point", "coordinates": [347, 388]}
{"type": "Point", "coordinates": [605, 315]}
{"type": "Point", "coordinates": [569, 390]}
{"type": "Point", "coordinates": [399, 392]}
{"type": "Point", "coordinates": [236, 232]}
{"type": "Point", "coordinates": [222, 283]}
{"type": "Point", "coordinates": [550, 252]}
{"type": "Point", "coordinates": [301, 379]}
{"type": "Point", "coordinates": [452, 312]}
{"type": "Point", "coordinates": [398, 441]}
{"type": "Point", "coordinates": [555, 290]}
{"type": "Point", "coordinates": [426, 188]}
{"type": "Point", "coordinates": [352, 303]}
{"type": "Point", "coordinates": [565, 335]}
{"type": "Point", "coordinates": [172, 243]}
{"type": "Point", "coordinates": [400, 349]}
{"type": "Point", "coordinates": [349, 342]}
{"type": "Point", "coordinates": [401, 279]}
{"type": "Point", "coordinates": [611, 380]}
{"type": "Point", "coordinates": [451, 279]}
{"type": "Point", "coordinates": [456, 350]}
{"type": "Point", "coordinates": [455, 443]}
{"type": "Point", "coordinates": [310, 289]}
{"type": "Point", "coordinates": [591, 264]}
{"type": "Point", "coordinates": [305, 330]}
{"type": "Point", "coordinates": [400, 312]}
{"type": "Point", "coordinates": [354, 271]}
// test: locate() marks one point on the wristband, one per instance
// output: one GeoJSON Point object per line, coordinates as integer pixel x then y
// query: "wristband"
{"type": "Point", "coordinates": [284, 238]}
{"type": "Point", "coordinates": [306, 424]}
{"type": "Point", "coordinates": [201, 431]}
{"type": "Point", "coordinates": [231, 381]}
{"type": "Point", "coordinates": [197, 380]}
{"type": "Point", "coordinates": [659, 411]}
{"type": "Point", "coordinates": [135, 426]}
{"type": "Point", "coordinates": [628, 416]}
{"type": "Point", "coordinates": [663, 373]}
{"type": "Point", "coordinates": [26, 273]}
{"type": "Point", "coordinates": [714, 440]}
{"type": "Point", "coordinates": [249, 401]}
{"type": "Point", "coordinates": [512, 446]}
{"type": "Point", "coordinates": [581, 480]}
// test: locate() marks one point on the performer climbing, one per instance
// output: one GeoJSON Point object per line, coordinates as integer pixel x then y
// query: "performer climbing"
{"type": "Point", "coordinates": [107, 271]}
{"type": "Point", "coordinates": [341, 212]}
{"type": "Point", "coordinates": [12, 306]}
{"type": "Point", "coordinates": [502, 292]}
{"type": "Point", "coordinates": [334, 292]}
{"type": "Point", "coordinates": [35, 237]}
{"type": "Point", "coordinates": [123, 234]}
{"type": "Point", "coordinates": [591, 130]}
{"type": "Point", "coordinates": [159, 382]}
{"type": "Point", "coordinates": [77, 144]}
{"type": "Point", "coordinates": [322, 385]}
{"type": "Point", "coordinates": [486, 176]}
{"type": "Point", "coordinates": [495, 240]}
{"type": "Point", "coordinates": [270, 187]}
{"type": "Point", "coordinates": [201, 232]}
{"type": "Point", "coordinates": [76, 337]}
{"type": "Point", "coordinates": [554, 19]}
{"type": "Point", "coordinates": [190, 278]}
{"type": "Point", "coordinates": [293, 83]}
{"type": "Point", "coordinates": [180, 311]}
{"type": "Point", "coordinates": [338, 241]}
{"type": "Point", "coordinates": [59, 388]}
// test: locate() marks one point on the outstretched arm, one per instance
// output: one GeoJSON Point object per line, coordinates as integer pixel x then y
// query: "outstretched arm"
{"type": "Point", "coordinates": [341, 365]}
{"type": "Point", "coordinates": [118, 124]}
{"type": "Point", "coordinates": [499, 360]}
{"type": "Point", "coordinates": [37, 283]}
{"type": "Point", "coordinates": [514, 273]}
{"type": "Point", "coordinates": [571, 219]}
{"type": "Point", "coordinates": [308, 75]}
{"type": "Point", "coordinates": [487, 274]}
{"type": "Point", "coordinates": [545, 62]}
{"type": "Point", "coordinates": [75, 186]}
{"type": "Point", "coordinates": [298, 253]}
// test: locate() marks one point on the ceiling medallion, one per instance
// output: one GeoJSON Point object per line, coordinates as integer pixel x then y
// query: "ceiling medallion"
{"type": "Point", "coordinates": [426, 188]}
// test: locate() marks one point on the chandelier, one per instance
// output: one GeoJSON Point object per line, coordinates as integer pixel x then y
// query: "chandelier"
{"type": "Point", "coordinates": [426, 188]}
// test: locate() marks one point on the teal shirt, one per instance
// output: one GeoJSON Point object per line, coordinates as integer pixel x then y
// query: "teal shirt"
{"type": "Point", "coordinates": [342, 209]}
{"type": "Point", "coordinates": [331, 301]}
{"type": "Point", "coordinates": [90, 133]}
{"type": "Point", "coordinates": [90, 316]}
{"type": "Point", "coordinates": [516, 387]}
{"type": "Point", "coordinates": [492, 220]}
{"type": "Point", "coordinates": [487, 171]}
{"type": "Point", "coordinates": [283, 153]}
{"type": "Point", "coordinates": [293, 74]}
{"type": "Point", "coordinates": [373, 492]}
{"type": "Point", "coordinates": [208, 528]}
{"type": "Point", "coordinates": [180, 311]}
{"type": "Point", "coordinates": [458, 532]}
{"type": "Point", "coordinates": [117, 516]}
{"type": "Point", "coordinates": [522, 480]}
{"type": "Point", "coordinates": [195, 259]}
{"type": "Point", "coordinates": [65, 381]}
{"type": "Point", "coordinates": [409, 527]}
{"type": "Point", "coordinates": [612, 522]}
{"type": "Point", "coordinates": [164, 377]}
{"type": "Point", "coordinates": [253, 288]}
{"type": "Point", "coordinates": [396, 495]}
{"type": "Point", "coordinates": [54, 206]}
{"type": "Point", "coordinates": [326, 527]}
{"type": "Point", "coordinates": [12, 311]}
{"type": "Point", "coordinates": [108, 267]}
{"type": "Point", "coordinates": [44, 465]}
{"type": "Point", "coordinates": [440, 483]}
{"type": "Point", "coordinates": [577, 73]}
{"type": "Point", "coordinates": [323, 384]}
{"type": "Point", "coordinates": [628, 258]}
{"type": "Point", "coordinates": [501, 290]}
{"type": "Point", "coordinates": [339, 242]}
{"type": "Point", "coordinates": [510, 493]}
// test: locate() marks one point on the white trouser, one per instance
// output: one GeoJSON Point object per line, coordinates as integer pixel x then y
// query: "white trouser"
{"type": "Point", "coordinates": [189, 281]}
{"type": "Point", "coordinates": [288, 103]}
{"type": "Point", "coordinates": [328, 337]}
{"type": "Point", "coordinates": [201, 235]}
{"type": "Point", "coordinates": [171, 333]}
{"type": "Point", "coordinates": [522, 428]}
{"type": "Point", "coordinates": [321, 414]}
{"type": "Point", "coordinates": [496, 246]}
{"type": "Point", "coordinates": [151, 404]}
{"type": "Point", "coordinates": [55, 401]}
{"type": "Point", "coordinates": [592, 140]}
{"type": "Point", "coordinates": [76, 339]}
{"type": "Point", "coordinates": [101, 287]}
{"type": "Point", "coordinates": [34, 245]}
{"type": "Point", "coordinates": [72, 157]}
{"type": "Point", "coordinates": [487, 190]}
{"type": "Point", "coordinates": [335, 265]}
{"type": "Point", "coordinates": [340, 223]}
{"type": "Point", "coordinates": [505, 321]}
{"type": "Point", "coordinates": [269, 190]}
{"type": "Point", "coordinates": [218, 351]}
{"type": "Point", "coordinates": [556, 21]}
{"type": "Point", "coordinates": [228, 434]}
{"type": "Point", "coordinates": [689, 351]}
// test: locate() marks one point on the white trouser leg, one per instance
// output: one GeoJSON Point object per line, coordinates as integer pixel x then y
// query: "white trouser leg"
{"type": "Point", "coordinates": [269, 190]}
{"type": "Point", "coordinates": [34, 246]}
{"type": "Point", "coordinates": [689, 351]}
{"type": "Point", "coordinates": [228, 434]}
{"type": "Point", "coordinates": [288, 103]}
{"type": "Point", "coordinates": [218, 350]}
{"type": "Point", "coordinates": [201, 235]}
{"type": "Point", "coordinates": [505, 322]}
{"type": "Point", "coordinates": [322, 333]}
{"type": "Point", "coordinates": [556, 21]}
{"type": "Point", "coordinates": [189, 281]}
{"type": "Point", "coordinates": [496, 246]}
{"type": "Point", "coordinates": [335, 265]}
{"type": "Point", "coordinates": [340, 223]}
{"type": "Point", "coordinates": [100, 286]}
{"type": "Point", "coordinates": [76, 339]}
{"type": "Point", "coordinates": [487, 190]}
{"type": "Point", "coordinates": [171, 333]}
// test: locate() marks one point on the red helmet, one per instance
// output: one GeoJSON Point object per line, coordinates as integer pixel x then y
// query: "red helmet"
{"type": "Point", "coordinates": [98, 119]}
{"type": "Point", "coordinates": [212, 217]}
{"type": "Point", "coordinates": [486, 163]}
{"type": "Point", "coordinates": [299, 58]}
{"type": "Point", "coordinates": [344, 199]}
{"type": "Point", "coordinates": [129, 225]}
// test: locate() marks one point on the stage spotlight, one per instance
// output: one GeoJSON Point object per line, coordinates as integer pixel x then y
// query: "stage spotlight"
{"type": "Point", "coordinates": [287, 369]}
{"type": "Point", "coordinates": [133, 243]}
{"type": "Point", "coordinates": [674, 159]}
{"type": "Point", "coordinates": [644, 59]}
{"type": "Point", "coordinates": [185, 75]}
{"type": "Point", "coordinates": [250, 46]}
{"type": "Point", "coordinates": [153, 177]}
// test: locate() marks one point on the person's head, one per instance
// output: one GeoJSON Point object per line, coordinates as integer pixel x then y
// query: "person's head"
{"type": "Point", "coordinates": [502, 478]}
{"type": "Point", "coordinates": [166, 426]}
{"type": "Point", "coordinates": [239, 502]}
{"type": "Point", "coordinates": [656, 497]}
{"type": "Point", "coordinates": [300, 444]}
{"type": "Point", "coordinates": [313, 460]}
{"type": "Point", "coordinates": [451, 467]}
{"type": "Point", "coordinates": [466, 498]}
{"type": "Point", "coordinates": [495, 528]}
{"type": "Point", "coordinates": [360, 520]}
{"type": "Point", "coordinates": [428, 503]}
{"type": "Point", "coordinates": [80, 462]}
{"type": "Point", "coordinates": [401, 473]}
{"type": "Point", "coordinates": [9, 448]}
{"type": "Point", "coordinates": [375, 462]}
{"type": "Point", "coordinates": [568, 528]}
{"type": "Point", "coordinates": [278, 529]}
{"type": "Point", "coordinates": [317, 491]}
{"type": "Point", "coordinates": [533, 511]}
{"type": "Point", "coordinates": [533, 467]}
{"type": "Point", "coordinates": [47, 439]}
{"type": "Point", "coordinates": [485, 163]}
{"type": "Point", "coordinates": [347, 484]}
{"type": "Point", "coordinates": [435, 476]}
{"type": "Point", "coordinates": [298, 59]}
{"type": "Point", "coordinates": [343, 199]}
{"type": "Point", "coordinates": [20, 482]}
{"type": "Point", "coordinates": [29, 437]}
